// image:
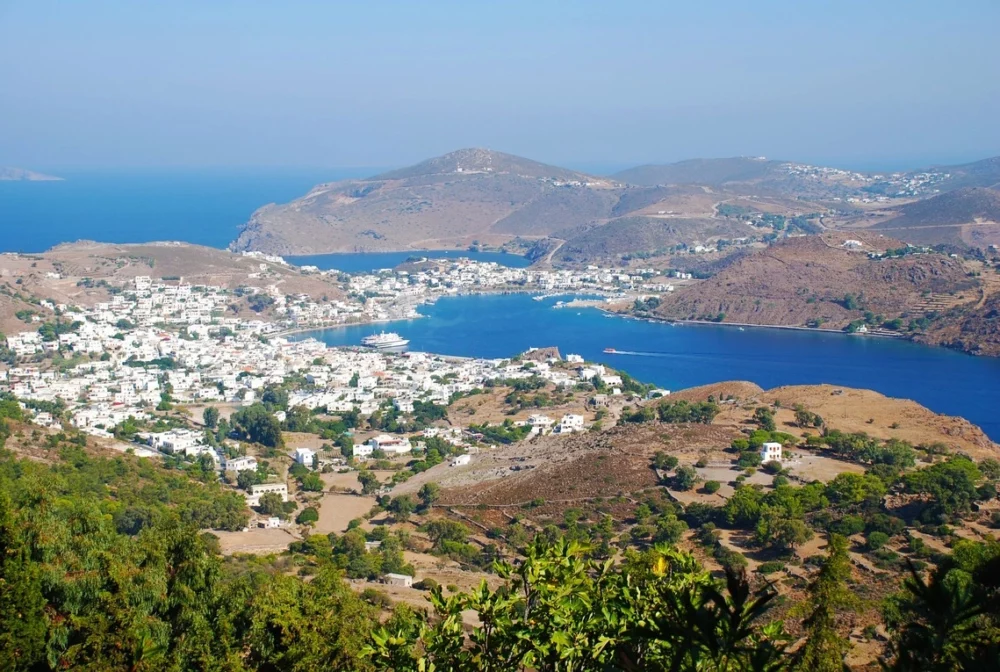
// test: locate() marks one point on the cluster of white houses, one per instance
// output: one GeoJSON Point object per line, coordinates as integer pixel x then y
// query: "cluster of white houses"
{"type": "Point", "coordinates": [154, 343]}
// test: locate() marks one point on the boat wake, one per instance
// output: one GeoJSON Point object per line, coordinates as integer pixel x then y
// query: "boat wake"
{"type": "Point", "coordinates": [635, 353]}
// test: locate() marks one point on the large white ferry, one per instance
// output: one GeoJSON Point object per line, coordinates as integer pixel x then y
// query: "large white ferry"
{"type": "Point", "coordinates": [384, 341]}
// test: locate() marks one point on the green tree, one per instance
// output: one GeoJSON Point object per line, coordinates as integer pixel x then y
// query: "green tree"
{"type": "Point", "coordinates": [685, 478]}
{"type": "Point", "coordinates": [429, 493]}
{"type": "Point", "coordinates": [22, 603]}
{"type": "Point", "coordinates": [211, 417]}
{"type": "Point", "coordinates": [255, 423]}
{"type": "Point", "coordinates": [764, 417]}
{"type": "Point", "coordinates": [369, 482]}
{"type": "Point", "coordinates": [307, 515]}
{"type": "Point", "coordinates": [270, 504]}
{"type": "Point", "coordinates": [312, 482]}
{"type": "Point", "coordinates": [401, 508]}
{"type": "Point", "coordinates": [825, 646]}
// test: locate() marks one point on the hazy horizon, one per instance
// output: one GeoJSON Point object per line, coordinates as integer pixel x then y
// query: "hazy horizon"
{"type": "Point", "coordinates": [592, 86]}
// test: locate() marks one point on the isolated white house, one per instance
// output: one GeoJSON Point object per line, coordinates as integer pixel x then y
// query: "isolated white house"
{"type": "Point", "coordinates": [461, 460]}
{"type": "Point", "coordinates": [304, 456]}
{"type": "Point", "coordinates": [770, 452]}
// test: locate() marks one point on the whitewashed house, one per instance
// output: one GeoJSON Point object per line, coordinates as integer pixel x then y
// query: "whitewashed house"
{"type": "Point", "coordinates": [770, 452]}
{"type": "Point", "coordinates": [400, 445]}
{"type": "Point", "coordinates": [305, 456]}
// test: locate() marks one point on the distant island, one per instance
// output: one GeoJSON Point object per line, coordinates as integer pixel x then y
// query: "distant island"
{"type": "Point", "coordinates": [24, 175]}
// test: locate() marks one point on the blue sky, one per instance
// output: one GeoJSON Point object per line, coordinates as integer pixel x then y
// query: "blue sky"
{"type": "Point", "coordinates": [587, 84]}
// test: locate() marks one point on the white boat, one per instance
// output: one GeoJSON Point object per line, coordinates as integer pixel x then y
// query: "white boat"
{"type": "Point", "coordinates": [384, 341]}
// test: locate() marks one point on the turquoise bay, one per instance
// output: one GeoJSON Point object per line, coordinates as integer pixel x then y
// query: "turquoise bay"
{"type": "Point", "coordinates": [682, 356]}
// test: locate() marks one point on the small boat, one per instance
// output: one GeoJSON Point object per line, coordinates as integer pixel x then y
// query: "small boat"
{"type": "Point", "coordinates": [610, 351]}
{"type": "Point", "coordinates": [742, 329]}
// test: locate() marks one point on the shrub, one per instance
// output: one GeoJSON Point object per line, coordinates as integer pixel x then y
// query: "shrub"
{"type": "Point", "coordinates": [712, 487]}
{"type": "Point", "coordinates": [877, 540]}
{"type": "Point", "coordinates": [771, 567]}
{"type": "Point", "coordinates": [426, 584]}
{"type": "Point", "coordinates": [307, 515]}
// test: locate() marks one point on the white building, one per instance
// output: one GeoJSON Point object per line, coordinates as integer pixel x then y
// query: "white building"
{"type": "Point", "coordinates": [400, 445]}
{"type": "Point", "coordinates": [305, 456]}
{"type": "Point", "coordinates": [770, 452]}
{"type": "Point", "coordinates": [461, 460]}
{"type": "Point", "coordinates": [253, 498]}
{"type": "Point", "coordinates": [398, 580]}
{"type": "Point", "coordinates": [242, 463]}
{"type": "Point", "coordinates": [570, 423]}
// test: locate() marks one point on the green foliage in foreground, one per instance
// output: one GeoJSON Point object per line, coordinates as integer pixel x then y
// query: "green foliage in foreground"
{"type": "Point", "coordinates": [561, 611]}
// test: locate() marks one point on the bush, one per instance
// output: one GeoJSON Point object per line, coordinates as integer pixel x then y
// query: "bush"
{"type": "Point", "coordinates": [772, 467]}
{"type": "Point", "coordinates": [307, 515]}
{"type": "Point", "coordinates": [877, 540]}
{"type": "Point", "coordinates": [426, 584]}
{"type": "Point", "coordinates": [712, 487]}
{"type": "Point", "coordinates": [771, 567]}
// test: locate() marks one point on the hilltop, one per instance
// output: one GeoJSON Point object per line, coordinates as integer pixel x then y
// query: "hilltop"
{"type": "Point", "coordinates": [23, 175]}
{"type": "Point", "coordinates": [465, 197]}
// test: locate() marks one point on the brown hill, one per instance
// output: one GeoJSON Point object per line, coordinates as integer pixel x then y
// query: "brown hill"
{"type": "Point", "coordinates": [714, 172]}
{"type": "Point", "coordinates": [480, 196]}
{"type": "Point", "coordinates": [450, 201]}
{"type": "Point", "coordinates": [974, 329]}
{"type": "Point", "coordinates": [965, 216]}
{"type": "Point", "coordinates": [806, 279]}
{"type": "Point", "coordinates": [984, 173]}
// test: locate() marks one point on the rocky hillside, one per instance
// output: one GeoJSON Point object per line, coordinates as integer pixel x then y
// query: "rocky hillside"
{"type": "Point", "coordinates": [816, 280]}
{"type": "Point", "coordinates": [972, 328]}
{"type": "Point", "coordinates": [468, 196]}
{"type": "Point", "coordinates": [966, 216]}
{"type": "Point", "coordinates": [488, 198]}
{"type": "Point", "coordinates": [477, 196]}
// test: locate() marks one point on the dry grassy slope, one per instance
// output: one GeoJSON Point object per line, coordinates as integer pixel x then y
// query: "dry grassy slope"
{"type": "Point", "coordinates": [774, 286]}
{"type": "Point", "coordinates": [850, 410]}
{"type": "Point", "coordinates": [576, 468]}
{"type": "Point", "coordinates": [965, 217]}
{"type": "Point", "coordinates": [564, 470]}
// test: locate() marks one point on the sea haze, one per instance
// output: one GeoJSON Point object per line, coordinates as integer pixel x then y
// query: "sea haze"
{"type": "Point", "coordinates": [204, 207]}
{"type": "Point", "coordinates": [677, 357]}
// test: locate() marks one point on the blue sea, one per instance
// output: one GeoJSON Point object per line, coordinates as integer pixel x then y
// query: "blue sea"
{"type": "Point", "coordinates": [204, 207]}
{"type": "Point", "coordinates": [207, 207]}
{"type": "Point", "coordinates": [676, 357]}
